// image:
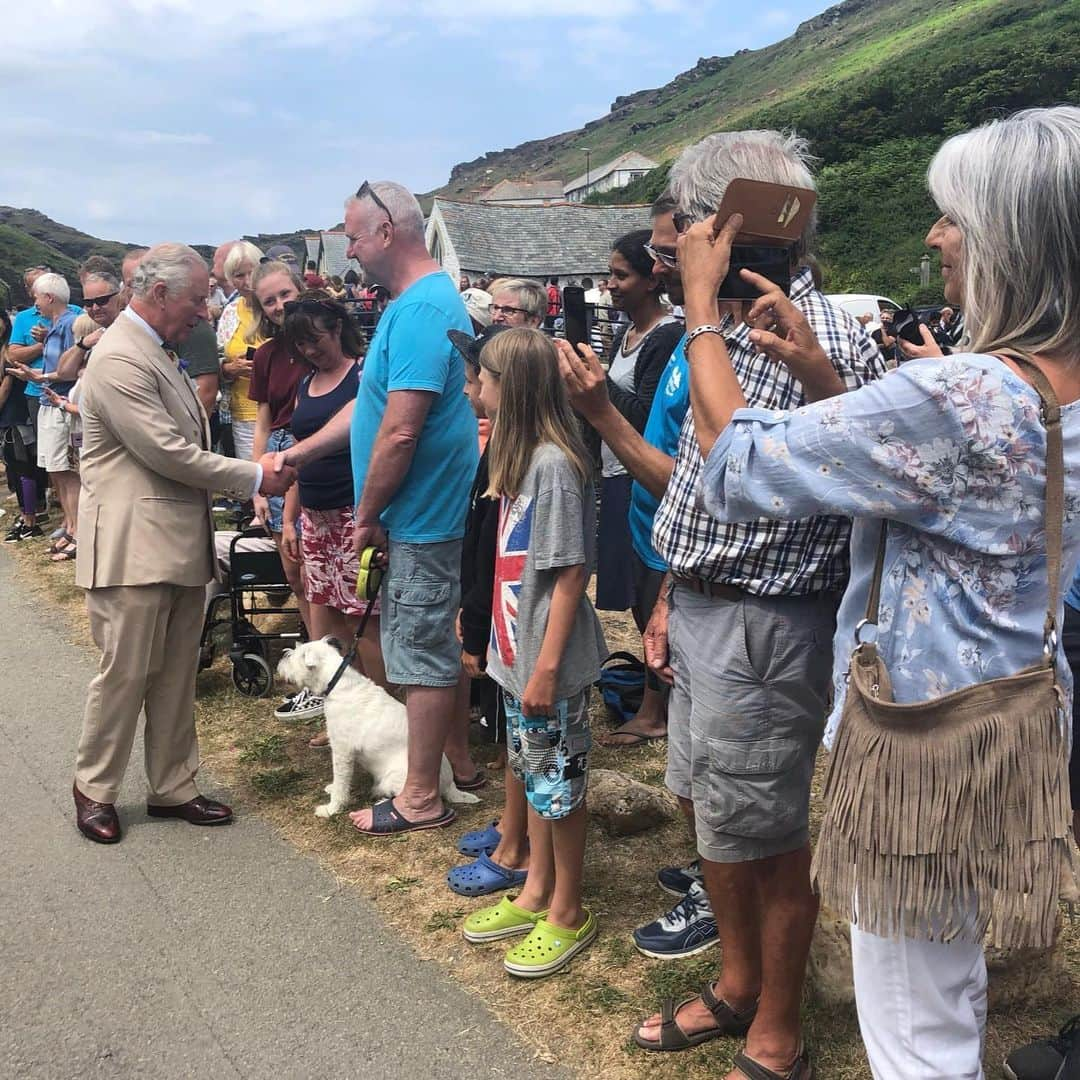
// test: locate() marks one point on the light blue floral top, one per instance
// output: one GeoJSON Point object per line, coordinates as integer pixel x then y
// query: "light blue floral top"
{"type": "Point", "coordinates": [951, 451]}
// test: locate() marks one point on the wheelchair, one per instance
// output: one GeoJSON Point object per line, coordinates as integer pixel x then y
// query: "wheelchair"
{"type": "Point", "coordinates": [256, 584]}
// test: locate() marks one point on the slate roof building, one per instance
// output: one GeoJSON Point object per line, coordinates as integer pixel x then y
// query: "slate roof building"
{"type": "Point", "coordinates": [614, 174]}
{"type": "Point", "coordinates": [311, 249]}
{"type": "Point", "coordinates": [332, 259]}
{"type": "Point", "coordinates": [523, 193]}
{"type": "Point", "coordinates": [564, 239]}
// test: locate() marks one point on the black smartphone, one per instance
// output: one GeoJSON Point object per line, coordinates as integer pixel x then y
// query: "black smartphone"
{"type": "Point", "coordinates": [770, 262]}
{"type": "Point", "coordinates": [576, 315]}
{"type": "Point", "coordinates": [906, 325]}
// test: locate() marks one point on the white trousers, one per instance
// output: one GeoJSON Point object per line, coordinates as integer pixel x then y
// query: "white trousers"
{"type": "Point", "coordinates": [922, 1006]}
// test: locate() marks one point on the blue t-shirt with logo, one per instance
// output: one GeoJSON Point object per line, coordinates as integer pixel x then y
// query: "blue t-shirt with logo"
{"type": "Point", "coordinates": [21, 326]}
{"type": "Point", "coordinates": [410, 351]}
{"type": "Point", "coordinates": [662, 431]}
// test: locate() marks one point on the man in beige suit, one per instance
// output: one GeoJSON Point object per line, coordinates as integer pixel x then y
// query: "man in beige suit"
{"type": "Point", "coordinates": [146, 546]}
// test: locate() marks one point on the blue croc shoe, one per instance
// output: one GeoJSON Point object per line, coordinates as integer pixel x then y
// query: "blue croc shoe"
{"type": "Point", "coordinates": [483, 877]}
{"type": "Point", "coordinates": [480, 841]}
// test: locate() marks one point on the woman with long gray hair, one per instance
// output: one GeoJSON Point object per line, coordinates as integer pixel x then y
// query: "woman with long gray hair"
{"type": "Point", "coordinates": [947, 818]}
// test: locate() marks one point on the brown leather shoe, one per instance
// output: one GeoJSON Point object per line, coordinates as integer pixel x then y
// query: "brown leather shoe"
{"type": "Point", "coordinates": [97, 821]}
{"type": "Point", "coordinates": [198, 811]}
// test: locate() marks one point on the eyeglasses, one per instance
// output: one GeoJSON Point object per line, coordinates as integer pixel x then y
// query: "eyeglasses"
{"type": "Point", "coordinates": [366, 189]}
{"type": "Point", "coordinates": [99, 301]}
{"type": "Point", "coordinates": [504, 309]}
{"type": "Point", "coordinates": [666, 258]}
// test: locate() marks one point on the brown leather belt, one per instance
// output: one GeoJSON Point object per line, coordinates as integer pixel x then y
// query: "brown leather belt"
{"type": "Point", "coordinates": [714, 590]}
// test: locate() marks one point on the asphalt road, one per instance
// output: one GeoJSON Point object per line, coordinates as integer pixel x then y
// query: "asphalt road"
{"type": "Point", "coordinates": [186, 952]}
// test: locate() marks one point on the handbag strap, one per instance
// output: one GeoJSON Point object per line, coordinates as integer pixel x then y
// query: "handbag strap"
{"type": "Point", "coordinates": [1055, 513]}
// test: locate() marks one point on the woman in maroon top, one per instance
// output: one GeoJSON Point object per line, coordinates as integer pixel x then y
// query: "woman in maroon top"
{"type": "Point", "coordinates": [275, 376]}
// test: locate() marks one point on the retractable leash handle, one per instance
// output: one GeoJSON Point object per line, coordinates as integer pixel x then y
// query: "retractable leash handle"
{"type": "Point", "coordinates": [368, 582]}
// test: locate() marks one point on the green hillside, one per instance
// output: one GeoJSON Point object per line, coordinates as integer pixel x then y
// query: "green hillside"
{"type": "Point", "coordinates": [874, 84]}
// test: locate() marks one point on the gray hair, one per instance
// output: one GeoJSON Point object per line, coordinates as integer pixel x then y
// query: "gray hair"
{"type": "Point", "coordinates": [530, 295]}
{"type": "Point", "coordinates": [110, 281]}
{"type": "Point", "coordinates": [702, 172]}
{"type": "Point", "coordinates": [1010, 186]}
{"type": "Point", "coordinates": [168, 263]}
{"type": "Point", "coordinates": [402, 204]}
{"type": "Point", "coordinates": [53, 285]}
{"type": "Point", "coordinates": [242, 253]}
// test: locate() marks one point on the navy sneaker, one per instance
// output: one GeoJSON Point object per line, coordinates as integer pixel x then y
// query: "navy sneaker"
{"type": "Point", "coordinates": [677, 880]}
{"type": "Point", "coordinates": [687, 929]}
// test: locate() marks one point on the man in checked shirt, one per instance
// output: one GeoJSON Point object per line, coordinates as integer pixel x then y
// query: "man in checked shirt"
{"type": "Point", "coordinates": [747, 630]}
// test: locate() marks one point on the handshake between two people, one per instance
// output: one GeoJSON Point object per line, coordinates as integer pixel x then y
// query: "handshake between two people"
{"type": "Point", "coordinates": [277, 477]}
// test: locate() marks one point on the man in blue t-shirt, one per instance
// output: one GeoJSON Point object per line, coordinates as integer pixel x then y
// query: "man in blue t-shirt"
{"type": "Point", "coordinates": [53, 424]}
{"type": "Point", "coordinates": [415, 448]}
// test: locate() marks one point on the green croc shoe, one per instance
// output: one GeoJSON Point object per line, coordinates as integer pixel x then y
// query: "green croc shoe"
{"type": "Point", "coordinates": [502, 920]}
{"type": "Point", "coordinates": [549, 949]}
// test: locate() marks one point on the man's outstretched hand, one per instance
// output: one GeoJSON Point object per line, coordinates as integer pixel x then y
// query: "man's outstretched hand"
{"type": "Point", "coordinates": [276, 480]}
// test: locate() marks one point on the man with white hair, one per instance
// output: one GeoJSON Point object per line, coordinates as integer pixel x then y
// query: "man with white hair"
{"type": "Point", "coordinates": [747, 626]}
{"type": "Point", "coordinates": [414, 450]}
{"type": "Point", "coordinates": [148, 551]}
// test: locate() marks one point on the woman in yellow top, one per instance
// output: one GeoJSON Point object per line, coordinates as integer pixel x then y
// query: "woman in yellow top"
{"type": "Point", "coordinates": [238, 338]}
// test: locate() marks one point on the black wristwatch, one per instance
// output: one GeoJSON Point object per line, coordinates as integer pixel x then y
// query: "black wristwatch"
{"type": "Point", "coordinates": [79, 345]}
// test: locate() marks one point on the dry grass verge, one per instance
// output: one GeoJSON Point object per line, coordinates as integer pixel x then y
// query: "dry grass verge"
{"type": "Point", "coordinates": [581, 1018]}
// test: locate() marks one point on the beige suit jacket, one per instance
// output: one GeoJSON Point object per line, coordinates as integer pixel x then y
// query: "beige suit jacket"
{"type": "Point", "coordinates": [147, 478]}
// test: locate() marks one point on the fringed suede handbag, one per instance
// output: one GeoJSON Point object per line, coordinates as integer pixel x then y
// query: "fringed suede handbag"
{"type": "Point", "coordinates": [951, 817]}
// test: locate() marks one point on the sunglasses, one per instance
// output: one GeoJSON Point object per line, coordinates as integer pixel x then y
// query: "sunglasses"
{"type": "Point", "coordinates": [311, 306]}
{"type": "Point", "coordinates": [99, 301]}
{"type": "Point", "coordinates": [366, 189]}
{"type": "Point", "coordinates": [504, 309]}
{"type": "Point", "coordinates": [681, 220]}
{"type": "Point", "coordinates": [663, 257]}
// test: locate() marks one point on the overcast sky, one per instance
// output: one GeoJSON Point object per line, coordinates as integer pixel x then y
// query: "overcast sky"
{"type": "Point", "coordinates": [196, 120]}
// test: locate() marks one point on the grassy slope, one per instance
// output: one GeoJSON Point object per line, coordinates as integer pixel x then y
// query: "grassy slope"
{"type": "Point", "coordinates": [876, 132]}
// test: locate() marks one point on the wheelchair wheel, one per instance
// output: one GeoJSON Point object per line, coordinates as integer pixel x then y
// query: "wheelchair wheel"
{"type": "Point", "coordinates": [251, 675]}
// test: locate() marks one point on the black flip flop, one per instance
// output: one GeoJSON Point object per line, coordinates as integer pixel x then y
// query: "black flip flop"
{"type": "Point", "coordinates": [386, 820]}
{"type": "Point", "coordinates": [474, 783]}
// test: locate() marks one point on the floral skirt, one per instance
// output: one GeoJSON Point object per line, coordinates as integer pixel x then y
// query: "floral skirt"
{"type": "Point", "coordinates": [330, 563]}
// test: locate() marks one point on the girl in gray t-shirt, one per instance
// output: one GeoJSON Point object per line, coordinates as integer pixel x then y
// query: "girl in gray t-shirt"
{"type": "Point", "coordinates": [546, 643]}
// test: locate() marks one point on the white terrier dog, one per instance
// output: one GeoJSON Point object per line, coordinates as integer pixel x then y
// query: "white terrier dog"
{"type": "Point", "coordinates": [365, 724]}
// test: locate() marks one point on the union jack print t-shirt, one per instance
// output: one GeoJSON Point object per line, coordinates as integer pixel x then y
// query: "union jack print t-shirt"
{"type": "Point", "coordinates": [551, 524]}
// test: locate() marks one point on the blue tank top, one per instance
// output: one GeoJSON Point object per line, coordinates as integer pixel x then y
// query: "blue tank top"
{"type": "Point", "coordinates": [326, 484]}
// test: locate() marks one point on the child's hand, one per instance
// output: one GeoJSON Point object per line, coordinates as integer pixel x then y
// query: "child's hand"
{"type": "Point", "coordinates": [539, 696]}
{"type": "Point", "coordinates": [473, 665]}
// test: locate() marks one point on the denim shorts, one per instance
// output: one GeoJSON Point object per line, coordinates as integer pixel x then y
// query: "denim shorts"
{"type": "Point", "coordinates": [281, 439]}
{"type": "Point", "coordinates": [550, 754]}
{"type": "Point", "coordinates": [746, 716]}
{"type": "Point", "coordinates": [421, 594]}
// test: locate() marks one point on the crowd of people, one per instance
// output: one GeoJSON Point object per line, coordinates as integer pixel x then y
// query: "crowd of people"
{"type": "Point", "coordinates": [814, 539]}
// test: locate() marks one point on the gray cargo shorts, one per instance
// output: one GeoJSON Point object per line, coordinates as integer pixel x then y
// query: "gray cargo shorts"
{"type": "Point", "coordinates": [746, 715]}
{"type": "Point", "coordinates": [420, 597]}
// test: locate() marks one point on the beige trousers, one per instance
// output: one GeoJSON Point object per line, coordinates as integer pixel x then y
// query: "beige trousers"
{"type": "Point", "coordinates": [149, 641]}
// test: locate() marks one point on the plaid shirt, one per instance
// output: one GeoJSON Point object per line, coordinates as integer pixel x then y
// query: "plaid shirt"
{"type": "Point", "coordinates": [766, 558]}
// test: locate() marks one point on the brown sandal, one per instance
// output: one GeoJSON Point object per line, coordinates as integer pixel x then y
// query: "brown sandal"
{"type": "Point", "coordinates": [754, 1070]}
{"type": "Point", "coordinates": [672, 1037]}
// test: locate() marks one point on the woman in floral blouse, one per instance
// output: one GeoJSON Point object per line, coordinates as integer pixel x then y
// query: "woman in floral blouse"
{"type": "Point", "coordinates": [951, 452]}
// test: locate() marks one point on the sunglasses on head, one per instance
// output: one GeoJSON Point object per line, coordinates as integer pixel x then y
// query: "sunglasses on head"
{"type": "Point", "coordinates": [99, 301]}
{"type": "Point", "coordinates": [366, 189]}
{"type": "Point", "coordinates": [311, 305]}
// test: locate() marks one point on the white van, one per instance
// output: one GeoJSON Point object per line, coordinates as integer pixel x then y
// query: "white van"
{"type": "Point", "coordinates": [856, 304]}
